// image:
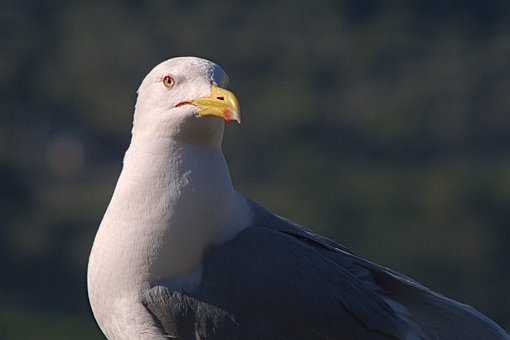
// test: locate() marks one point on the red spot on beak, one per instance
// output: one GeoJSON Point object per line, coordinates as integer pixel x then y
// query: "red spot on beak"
{"type": "Point", "coordinates": [228, 115]}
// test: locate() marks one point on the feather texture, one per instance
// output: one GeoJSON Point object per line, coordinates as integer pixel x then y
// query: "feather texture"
{"type": "Point", "coordinates": [276, 280]}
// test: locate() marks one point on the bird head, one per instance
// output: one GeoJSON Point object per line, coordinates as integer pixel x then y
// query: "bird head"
{"type": "Point", "coordinates": [185, 99]}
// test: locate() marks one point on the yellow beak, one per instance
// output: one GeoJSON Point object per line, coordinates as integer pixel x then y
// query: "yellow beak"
{"type": "Point", "coordinates": [221, 103]}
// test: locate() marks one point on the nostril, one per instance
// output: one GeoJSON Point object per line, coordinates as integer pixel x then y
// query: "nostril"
{"type": "Point", "coordinates": [220, 98]}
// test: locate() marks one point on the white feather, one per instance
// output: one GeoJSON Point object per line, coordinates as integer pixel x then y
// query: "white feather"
{"type": "Point", "coordinates": [172, 201]}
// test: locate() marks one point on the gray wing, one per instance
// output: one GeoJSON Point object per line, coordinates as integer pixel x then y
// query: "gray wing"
{"type": "Point", "coordinates": [276, 280]}
{"type": "Point", "coordinates": [268, 285]}
{"type": "Point", "coordinates": [438, 316]}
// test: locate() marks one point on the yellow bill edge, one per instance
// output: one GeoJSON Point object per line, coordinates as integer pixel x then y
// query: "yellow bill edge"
{"type": "Point", "coordinates": [221, 103]}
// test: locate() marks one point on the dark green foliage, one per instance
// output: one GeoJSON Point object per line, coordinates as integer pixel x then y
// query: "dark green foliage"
{"type": "Point", "coordinates": [385, 127]}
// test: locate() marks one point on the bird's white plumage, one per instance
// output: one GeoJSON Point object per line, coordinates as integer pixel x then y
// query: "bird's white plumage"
{"type": "Point", "coordinates": [173, 200]}
{"type": "Point", "coordinates": [161, 265]}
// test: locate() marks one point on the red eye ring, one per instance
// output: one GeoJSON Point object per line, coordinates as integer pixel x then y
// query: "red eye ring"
{"type": "Point", "coordinates": [168, 81]}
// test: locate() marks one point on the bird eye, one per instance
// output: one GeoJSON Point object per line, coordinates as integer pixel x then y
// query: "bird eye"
{"type": "Point", "coordinates": [168, 81]}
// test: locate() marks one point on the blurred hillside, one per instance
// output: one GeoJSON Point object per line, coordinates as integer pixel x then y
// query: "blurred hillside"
{"type": "Point", "coordinates": [386, 128]}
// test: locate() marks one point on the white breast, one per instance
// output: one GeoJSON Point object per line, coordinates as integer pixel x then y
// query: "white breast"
{"type": "Point", "coordinates": [171, 202]}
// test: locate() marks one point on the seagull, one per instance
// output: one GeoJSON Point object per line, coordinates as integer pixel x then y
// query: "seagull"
{"type": "Point", "coordinates": [180, 254]}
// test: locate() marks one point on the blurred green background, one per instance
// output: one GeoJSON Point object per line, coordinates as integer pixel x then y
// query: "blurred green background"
{"type": "Point", "coordinates": [385, 127]}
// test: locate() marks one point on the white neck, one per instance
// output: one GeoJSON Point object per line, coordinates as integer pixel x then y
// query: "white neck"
{"type": "Point", "coordinates": [172, 201]}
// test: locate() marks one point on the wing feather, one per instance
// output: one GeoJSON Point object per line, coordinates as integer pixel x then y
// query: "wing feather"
{"type": "Point", "coordinates": [277, 280]}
